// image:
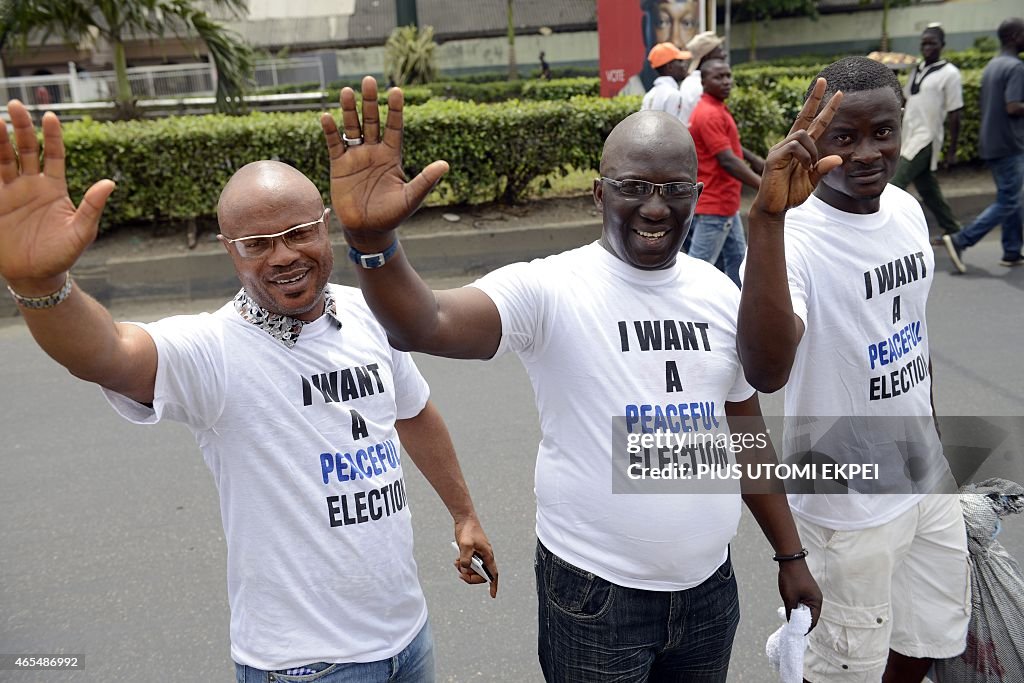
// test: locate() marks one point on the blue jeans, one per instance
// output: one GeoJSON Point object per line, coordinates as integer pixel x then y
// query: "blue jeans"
{"type": "Point", "coordinates": [714, 236]}
{"type": "Point", "coordinates": [593, 631]}
{"type": "Point", "coordinates": [1008, 173]}
{"type": "Point", "coordinates": [414, 664]}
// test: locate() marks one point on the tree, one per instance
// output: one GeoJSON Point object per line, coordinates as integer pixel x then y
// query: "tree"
{"type": "Point", "coordinates": [886, 5]}
{"type": "Point", "coordinates": [757, 11]}
{"type": "Point", "coordinates": [513, 69]}
{"type": "Point", "coordinates": [117, 21]}
{"type": "Point", "coordinates": [409, 56]}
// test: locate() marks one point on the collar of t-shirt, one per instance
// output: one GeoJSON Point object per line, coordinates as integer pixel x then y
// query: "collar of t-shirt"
{"type": "Point", "coordinates": [859, 221]}
{"type": "Point", "coordinates": [283, 328]}
{"type": "Point", "coordinates": [613, 264]}
{"type": "Point", "coordinates": [665, 82]}
{"type": "Point", "coordinates": [713, 101]}
{"type": "Point", "coordinates": [921, 71]}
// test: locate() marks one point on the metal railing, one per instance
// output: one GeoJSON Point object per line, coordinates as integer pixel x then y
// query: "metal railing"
{"type": "Point", "coordinates": [165, 81]}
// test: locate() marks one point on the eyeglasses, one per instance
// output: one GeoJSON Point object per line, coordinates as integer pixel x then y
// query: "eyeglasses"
{"type": "Point", "coordinates": [257, 246]}
{"type": "Point", "coordinates": [642, 188]}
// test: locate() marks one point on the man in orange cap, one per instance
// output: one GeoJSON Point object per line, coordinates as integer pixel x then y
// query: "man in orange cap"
{"type": "Point", "coordinates": [669, 62]}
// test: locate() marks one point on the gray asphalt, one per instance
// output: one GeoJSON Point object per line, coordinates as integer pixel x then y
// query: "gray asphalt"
{"type": "Point", "coordinates": [111, 544]}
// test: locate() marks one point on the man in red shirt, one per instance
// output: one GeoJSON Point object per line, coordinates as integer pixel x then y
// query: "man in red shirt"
{"type": "Point", "coordinates": [717, 230]}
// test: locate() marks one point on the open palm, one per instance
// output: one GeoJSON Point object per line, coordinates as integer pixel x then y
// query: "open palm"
{"type": "Point", "coordinates": [369, 192]}
{"type": "Point", "coordinates": [42, 234]}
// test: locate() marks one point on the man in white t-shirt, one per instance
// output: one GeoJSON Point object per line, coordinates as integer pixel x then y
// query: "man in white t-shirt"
{"type": "Point", "coordinates": [835, 290]}
{"type": "Point", "coordinates": [299, 405]}
{"type": "Point", "coordinates": [704, 47]}
{"type": "Point", "coordinates": [669, 62]}
{"type": "Point", "coordinates": [624, 340]}
{"type": "Point", "coordinates": [934, 98]}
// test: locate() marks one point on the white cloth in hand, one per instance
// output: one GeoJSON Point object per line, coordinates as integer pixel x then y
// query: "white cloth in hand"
{"type": "Point", "coordinates": [785, 648]}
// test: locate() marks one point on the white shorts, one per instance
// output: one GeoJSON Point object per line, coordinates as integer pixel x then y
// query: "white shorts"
{"type": "Point", "coordinates": [904, 585]}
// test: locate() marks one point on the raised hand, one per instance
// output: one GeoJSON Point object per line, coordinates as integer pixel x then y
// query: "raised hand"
{"type": "Point", "coordinates": [369, 191]}
{"type": "Point", "coordinates": [792, 169]}
{"type": "Point", "coordinates": [42, 234]}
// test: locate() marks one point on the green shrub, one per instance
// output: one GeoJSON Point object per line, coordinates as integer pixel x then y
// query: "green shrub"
{"type": "Point", "coordinates": [174, 168]}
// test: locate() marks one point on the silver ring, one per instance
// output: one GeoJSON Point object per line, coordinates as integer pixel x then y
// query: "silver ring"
{"type": "Point", "coordinates": [351, 142]}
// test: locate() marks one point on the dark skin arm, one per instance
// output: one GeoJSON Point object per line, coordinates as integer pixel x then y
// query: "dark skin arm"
{"type": "Point", "coordinates": [755, 161]}
{"type": "Point", "coordinates": [42, 235]}
{"type": "Point", "coordinates": [426, 440]}
{"type": "Point", "coordinates": [371, 198]}
{"type": "Point", "coordinates": [735, 167]}
{"type": "Point", "coordinates": [1015, 108]}
{"type": "Point", "coordinates": [767, 502]}
{"type": "Point", "coordinates": [768, 330]}
{"type": "Point", "coordinates": [953, 122]}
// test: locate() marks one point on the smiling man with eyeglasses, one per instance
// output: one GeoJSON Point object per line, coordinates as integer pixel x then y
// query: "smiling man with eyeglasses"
{"type": "Point", "coordinates": [299, 404]}
{"type": "Point", "coordinates": [624, 338]}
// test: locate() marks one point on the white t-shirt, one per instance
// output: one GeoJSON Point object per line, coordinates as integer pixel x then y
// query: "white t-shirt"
{"type": "Point", "coordinates": [664, 96]}
{"type": "Point", "coordinates": [690, 90]}
{"type": "Point", "coordinates": [304, 452]}
{"type": "Point", "coordinates": [601, 339]}
{"type": "Point", "coordinates": [924, 115]}
{"type": "Point", "coordinates": [860, 284]}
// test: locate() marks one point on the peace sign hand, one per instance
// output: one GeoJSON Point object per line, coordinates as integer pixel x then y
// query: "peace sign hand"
{"type": "Point", "coordinates": [42, 234]}
{"type": "Point", "coordinates": [369, 192]}
{"type": "Point", "coordinates": [792, 169]}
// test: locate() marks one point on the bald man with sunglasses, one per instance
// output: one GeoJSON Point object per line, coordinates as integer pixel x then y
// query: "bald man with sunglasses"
{"type": "Point", "coordinates": [297, 400]}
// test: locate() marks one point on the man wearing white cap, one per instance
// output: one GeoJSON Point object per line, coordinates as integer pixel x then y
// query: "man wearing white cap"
{"type": "Point", "coordinates": [702, 47]}
{"type": "Point", "coordinates": [670, 64]}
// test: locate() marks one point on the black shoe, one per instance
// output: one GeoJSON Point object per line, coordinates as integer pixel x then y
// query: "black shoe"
{"type": "Point", "coordinates": [954, 253]}
{"type": "Point", "coordinates": [1018, 260]}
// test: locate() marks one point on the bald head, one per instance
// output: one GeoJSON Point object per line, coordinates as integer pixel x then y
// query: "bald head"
{"type": "Point", "coordinates": [649, 136]}
{"type": "Point", "coordinates": [263, 189]}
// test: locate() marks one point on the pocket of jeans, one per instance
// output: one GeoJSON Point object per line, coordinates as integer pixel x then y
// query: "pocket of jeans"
{"type": "Point", "coordinates": [576, 592]}
{"type": "Point", "coordinates": [308, 678]}
{"type": "Point", "coordinates": [725, 571]}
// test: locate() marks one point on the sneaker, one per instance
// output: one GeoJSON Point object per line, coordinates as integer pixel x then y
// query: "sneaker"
{"type": "Point", "coordinates": [937, 240]}
{"type": "Point", "coordinates": [954, 253]}
{"type": "Point", "coordinates": [1010, 262]}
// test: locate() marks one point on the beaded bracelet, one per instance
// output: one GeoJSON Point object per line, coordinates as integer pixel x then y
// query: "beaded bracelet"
{"type": "Point", "coordinates": [41, 302]}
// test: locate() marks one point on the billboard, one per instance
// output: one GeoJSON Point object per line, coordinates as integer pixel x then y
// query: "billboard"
{"type": "Point", "coordinates": [627, 29]}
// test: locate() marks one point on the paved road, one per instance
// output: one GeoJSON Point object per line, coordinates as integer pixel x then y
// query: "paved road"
{"type": "Point", "coordinates": [111, 544]}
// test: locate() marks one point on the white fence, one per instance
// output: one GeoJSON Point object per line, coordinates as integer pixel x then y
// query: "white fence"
{"type": "Point", "coordinates": [175, 80]}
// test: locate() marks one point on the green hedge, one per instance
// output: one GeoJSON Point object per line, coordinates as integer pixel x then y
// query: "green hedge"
{"type": "Point", "coordinates": [174, 168]}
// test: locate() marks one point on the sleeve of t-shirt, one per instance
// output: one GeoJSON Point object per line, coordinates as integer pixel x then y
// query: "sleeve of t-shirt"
{"type": "Point", "coordinates": [519, 297]}
{"type": "Point", "coordinates": [954, 92]}
{"type": "Point", "coordinates": [714, 131]}
{"type": "Point", "coordinates": [411, 390]}
{"type": "Point", "coordinates": [1014, 91]}
{"type": "Point", "coordinates": [190, 375]}
{"type": "Point", "coordinates": [799, 281]}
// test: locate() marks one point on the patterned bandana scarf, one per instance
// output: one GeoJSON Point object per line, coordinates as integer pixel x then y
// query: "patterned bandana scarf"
{"type": "Point", "coordinates": [281, 327]}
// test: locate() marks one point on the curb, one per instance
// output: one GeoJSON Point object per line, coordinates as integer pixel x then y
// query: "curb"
{"type": "Point", "coordinates": [210, 274]}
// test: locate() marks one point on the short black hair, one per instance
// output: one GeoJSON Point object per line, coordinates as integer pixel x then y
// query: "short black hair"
{"type": "Point", "coordinates": [854, 74]}
{"type": "Point", "coordinates": [1008, 28]}
{"type": "Point", "coordinates": [937, 30]}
